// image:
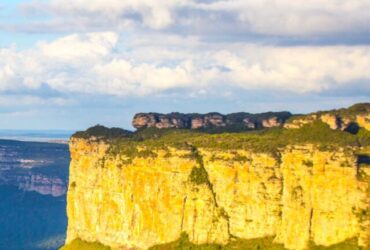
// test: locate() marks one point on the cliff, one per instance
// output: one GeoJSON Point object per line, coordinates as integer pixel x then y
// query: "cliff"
{"type": "Point", "coordinates": [287, 188]}
{"type": "Point", "coordinates": [349, 119]}
{"type": "Point", "coordinates": [235, 121]}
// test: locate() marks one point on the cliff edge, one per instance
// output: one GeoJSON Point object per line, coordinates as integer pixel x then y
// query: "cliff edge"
{"type": "Point", "coordinates": [282, 188]}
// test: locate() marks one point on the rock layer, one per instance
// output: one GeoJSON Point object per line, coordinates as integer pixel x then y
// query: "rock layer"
{"type": "Point", "coordinates": [300, 195]}
{"type": "Point", "coordinates": [210, 120]}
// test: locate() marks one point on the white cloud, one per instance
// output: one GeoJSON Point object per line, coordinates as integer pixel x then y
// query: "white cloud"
{"type": "Point", "coordinates": [297, 69]}
{"type": "Point", "coordinates": [299, 17]}
{"type": "Point", "coordinates": [18, 69]}
{"type": "Point", "coordinates": [154, 14]}
{"type": "Point", "coordinates": [92, 63]}
{"type": "Point", "coordinates": [268, 17]}
{"type": "Point", "coordinates": [90, 46]}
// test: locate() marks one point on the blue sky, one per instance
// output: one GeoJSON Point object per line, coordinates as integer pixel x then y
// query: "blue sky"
{"type": "Point", "coordinates": [68, 64]}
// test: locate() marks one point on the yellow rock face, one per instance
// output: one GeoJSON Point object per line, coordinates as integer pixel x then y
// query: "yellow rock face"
{"type": "Point", "coordinates": [303, 195]}
{"type": "Point", "coordinates": [364, 121]}
{"type": "Point", "coordinates": [331, 120]}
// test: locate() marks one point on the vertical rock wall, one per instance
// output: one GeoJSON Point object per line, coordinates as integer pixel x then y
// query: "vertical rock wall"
{"type": "Point", "coordinates": [302, 195]}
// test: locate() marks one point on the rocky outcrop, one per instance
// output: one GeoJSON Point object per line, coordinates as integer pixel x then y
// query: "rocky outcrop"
{"type": "Point", "coordinates": [210, 120]}
{"type": "Point", "coordinates": [350, 119]}
{"type": "Point", "coordinates": [32, 166]}
{"type": "Point", "coordinates": [42, 184]}
{"type": "Point", "coordinates": [272, 122]}
{"type": "Point", "coordinates": [363, 121]}
{"type": "Point", "coordinates": [333, 121]}
{"type": "Point", "coordinates": [302, 194]}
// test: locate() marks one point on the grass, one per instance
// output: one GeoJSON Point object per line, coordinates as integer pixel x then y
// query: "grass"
{"type": "Point", "coordinates": [78, 244]}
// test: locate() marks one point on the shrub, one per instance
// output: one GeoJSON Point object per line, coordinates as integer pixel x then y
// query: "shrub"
{"type": "Point", "coordinates": [102, 132]}
{"type": "Point", "coordinates": [308, 163]}
{"type": "Point", "coordinates": [199, 176]}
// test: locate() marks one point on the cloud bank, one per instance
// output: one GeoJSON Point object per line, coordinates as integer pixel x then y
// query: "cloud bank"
{"type": "Point", "coordinates": [80, 60]}
{"type": "Point", "coordinates": [263, 17]}
{"type": "Point", "coordinates": [92, 63]}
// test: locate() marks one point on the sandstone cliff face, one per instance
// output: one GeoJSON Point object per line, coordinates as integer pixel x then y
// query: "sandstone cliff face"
{"type": "Point", "coordinates": [300, 195]}
{"type": "Point", "coordinates": [335, 122]}
{"type": "Point", "coordinates": [198, 121]}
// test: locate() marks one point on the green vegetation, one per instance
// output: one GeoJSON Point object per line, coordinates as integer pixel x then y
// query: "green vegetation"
{"type": "Point", "coordinates": [252, 244]}
{"type": "Point", "coordinates": [144, 142]}
{"type": "Point", "coordinates": [183, 243]}
{"type": "Point", "coordinates": [239, 117]}
{"type": "Point", "coordinates": [344, 113]}
{"type": "Point", "coordinates": [350, 112]}
{"type": "Point", "coordinates": [78, 244]}
{"type": "Point", "coordinates": [266, 141]}
{"type": "Point", "coordinates": [350, 244]}
{"type": "Point", "coordinates": [227, 138]}
{"type": "Point", "coordinates": [199, 176]}
{"type": "Point", "coordinates": [236, 244]}
{"type": "Point", "coordinates": [308, 163]}
{"type": "Point", "coordinates": [363, 136]}
{"type": "Point", "coordinates": [102, 132]}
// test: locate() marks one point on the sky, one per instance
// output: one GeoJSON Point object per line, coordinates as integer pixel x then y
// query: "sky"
{"type": "Point", "coordinates": [71, 64]}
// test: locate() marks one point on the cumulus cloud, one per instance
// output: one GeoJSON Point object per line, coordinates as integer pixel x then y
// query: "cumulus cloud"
{"type": "Point", "coordinates": [92, 63]}
{"type": "Point", "coordinates": [302, 17]}
{"type": "Point", "coordinates": [267, 17]}
{"type": "Point", "coordinates": [153, 14]}
{"type": "Point", "coordinates": [73, 47]}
